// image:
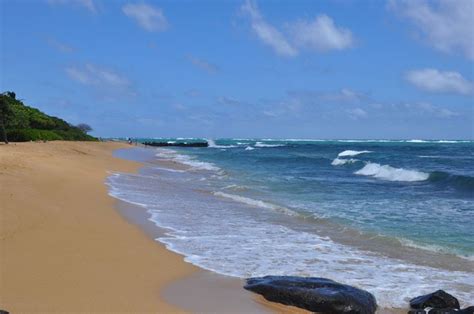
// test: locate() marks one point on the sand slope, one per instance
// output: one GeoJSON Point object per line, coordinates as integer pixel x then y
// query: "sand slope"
{"type": "Point", "coordinates": [63, 246]}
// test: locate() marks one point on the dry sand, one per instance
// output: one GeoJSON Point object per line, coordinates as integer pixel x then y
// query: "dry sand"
{"type": "Point", "coordinates": [63, 246]}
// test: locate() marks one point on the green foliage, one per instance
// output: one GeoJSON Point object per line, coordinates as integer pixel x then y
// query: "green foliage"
{"type": "Point", "coordinates": [24, 123]}
{"type": "Point", "coordinates": [24, 135]}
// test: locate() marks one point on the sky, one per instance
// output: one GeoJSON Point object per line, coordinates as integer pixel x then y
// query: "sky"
{"type": "Point", "coordinates": [363, 69]}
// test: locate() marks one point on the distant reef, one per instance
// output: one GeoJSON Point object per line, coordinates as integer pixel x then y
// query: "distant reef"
{"type": "Point", "coordinates": [21, 123]}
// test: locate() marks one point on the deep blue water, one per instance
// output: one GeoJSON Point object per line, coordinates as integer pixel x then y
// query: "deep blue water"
{"type": "Point", "coordinates": [378, 209]}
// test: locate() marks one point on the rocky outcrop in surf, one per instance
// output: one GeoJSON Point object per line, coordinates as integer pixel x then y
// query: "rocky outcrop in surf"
{"type": "Point", "coordinates": [438, 302]}
{"type": "Point", "coordinates": [439, 299]}
{"type": "Point", "coordinates": [313, 294]}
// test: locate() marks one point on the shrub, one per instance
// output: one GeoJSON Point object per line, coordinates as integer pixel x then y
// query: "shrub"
{"type": "Point", "coordinates": [25, 135]}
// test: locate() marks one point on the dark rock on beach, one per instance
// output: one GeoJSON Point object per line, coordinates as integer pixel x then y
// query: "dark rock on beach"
{"type": "Point", "coordinates": [443, 311]}
{"type": "Point", "coordinates": [4, 312]}
{"type": "Point", "coordinates": [313, 294]}
{"type": "Point", "coordinates": [467, 310]}
{"type": "Point", "coordinates": [437, 300]}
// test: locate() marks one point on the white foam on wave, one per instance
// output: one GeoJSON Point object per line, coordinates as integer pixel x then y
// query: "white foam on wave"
{"type": "Point", "coordinates": [212, 144]}
{"type": "Point", "coordinates": [232, 240]}
{"type": "Point", "coordinates": [169, 169]}
{"type": "Point", "coordinates": [340, 162]}
{"type": "Point", "coordinates": [349, 153]}
{"type": "Point", "coordinates": [172, 155]}
{"type": "Point", "coordinates": [249, 148]}
{"type": "Point", "coordinates": [387, 172]}
{"type": "Point", "coordinates": [260, 144]}
{"type": "Point", "coordinates": [256, 203]}
{"type": "Point", "coordinates": [417, 141]}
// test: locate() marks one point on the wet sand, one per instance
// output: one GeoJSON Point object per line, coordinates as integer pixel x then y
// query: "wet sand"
{"type": "Point", "coordinates": [203, 291]}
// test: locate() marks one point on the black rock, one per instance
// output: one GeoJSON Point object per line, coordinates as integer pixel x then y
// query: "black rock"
{"type": "Point", "coordinates": [467, 310]}
{"type": "Point", "coordinates": [443, 311]}
{"type": "Point", "coordinates": [4, 312]}
{"type": "Point", "coordinates": [437, 300]}
{"type": "Point", "coordinates": [313, 294]}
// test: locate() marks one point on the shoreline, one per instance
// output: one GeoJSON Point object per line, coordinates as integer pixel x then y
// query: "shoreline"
{"type": "Point", "coordinates": [203, 284]}
{"type": "Point", "coordinates": [74, 253]}
{"type": "Point", "coordinates": [63, 246]}
{"type": "Point", "coordinates": [68, 246]}
{"type": "Point", "coordinates": [175, 169]}
{"type": "Point", "coordinates": [205, 291]}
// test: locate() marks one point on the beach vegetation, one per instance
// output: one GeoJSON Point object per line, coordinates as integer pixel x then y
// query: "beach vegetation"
{"type": "Point", "coordinates": [20, 123]}
{"type": "Point", "coordinates": [84, 127]}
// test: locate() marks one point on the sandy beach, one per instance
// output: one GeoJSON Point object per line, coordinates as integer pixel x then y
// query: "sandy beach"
{"type": "Point", "coordinates": [63, 246]}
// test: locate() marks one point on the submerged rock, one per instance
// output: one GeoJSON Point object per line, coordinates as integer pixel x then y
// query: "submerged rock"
{"type": "Point", "coordinates": [437, 300]}
{"type": "Point", "coordinates": [313, 294]}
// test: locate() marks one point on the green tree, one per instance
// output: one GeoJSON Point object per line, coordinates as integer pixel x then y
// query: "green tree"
{"type": "Point", "coordinates": [5, 114]}
{"type": "Point", "coordinates": [85, 128]}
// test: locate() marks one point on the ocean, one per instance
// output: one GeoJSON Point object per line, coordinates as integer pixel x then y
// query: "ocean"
{"type": "Point", "coordinates": [391, 217]}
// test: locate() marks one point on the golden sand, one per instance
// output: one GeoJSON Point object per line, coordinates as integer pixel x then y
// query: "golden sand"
{"type": "Point", "coordinates": [63, 246]}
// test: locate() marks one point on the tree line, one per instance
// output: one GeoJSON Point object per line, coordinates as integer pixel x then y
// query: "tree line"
{"type": "Point", "coordinates": [20, 123]}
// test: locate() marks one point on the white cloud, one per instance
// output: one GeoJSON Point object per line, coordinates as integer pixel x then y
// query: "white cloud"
{"type": "Point", "coordinates": [87, 4]}
{"type": "Point", "coordinates": [59, 46]}
{"type": "Point", "coordinates": [425, 108]}
{"type": "Point", "coordinates": [357, 113]}
{"type": "Point", "coordinates": [97, 76]}
{"type": "Point", "coordinates": [203, 65]}
{"type": "Point", "coordinates": [447, 25]}
{"type": "Point", "coordinates": [148, 17]}
{"type": "Point", "coordinates": [223, 100]}
{"type": "Point", "coordinates": [433, 80]}
{"type": "Point", "coordinates": [321, 34]}
{"type": "Point", "coordinates": [266, 32]}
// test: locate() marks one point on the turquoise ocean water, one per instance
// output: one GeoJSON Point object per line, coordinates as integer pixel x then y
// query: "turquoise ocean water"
{"type": "Point", "coordinates": [388, 216]}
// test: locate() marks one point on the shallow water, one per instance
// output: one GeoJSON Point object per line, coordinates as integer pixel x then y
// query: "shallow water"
{"type": "Point", "coordinates": [384, 216]}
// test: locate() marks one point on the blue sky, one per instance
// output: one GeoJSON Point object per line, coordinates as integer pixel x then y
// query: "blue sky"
{"type": "Point", "coordinates": [282, 69]}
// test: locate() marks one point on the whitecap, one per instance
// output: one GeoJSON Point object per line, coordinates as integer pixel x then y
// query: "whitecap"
{"type": "Point", "coordinates": [260, 144]}
{"type": "Point", "coordinates": [212, 144]}
{"type": "Point", "coordinates": [417, 141]}
{"type": "Point", "coordinates": [340, 162]}
{"type": "Point", "coordinates": [349, 152]}
{"type": "Point", "coordinates": [172, 155]}
{"type": "Point", "coordinates": [387, 172]}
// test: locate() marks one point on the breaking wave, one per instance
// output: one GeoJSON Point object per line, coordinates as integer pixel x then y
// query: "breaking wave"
{"type": "Point", "coordinates": [189, 161]}
{"type": "Point", "coordinates": [340, 162]}
{"type": "Point", "coordinates": [387, 172]}
{"type": "Point", "coordinates": [260, 144]}
{"type": "Point", "coordinates": [256, 203]}
{"type": "Point", "coordinates": [348, 153]}
{"type": "Point", "coordinates": [212, 144]}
